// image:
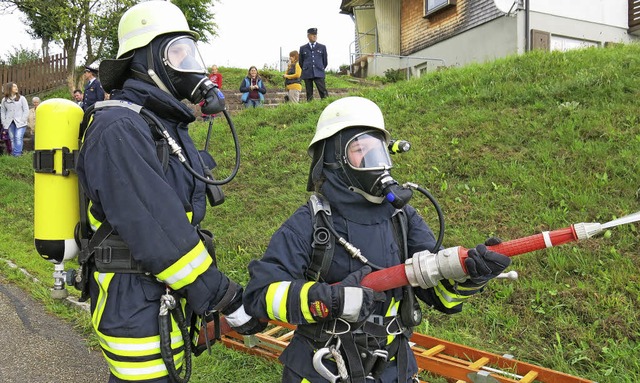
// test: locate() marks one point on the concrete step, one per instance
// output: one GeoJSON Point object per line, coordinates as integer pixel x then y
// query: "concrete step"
{"type": "Point", "coordinates": [273, 98]}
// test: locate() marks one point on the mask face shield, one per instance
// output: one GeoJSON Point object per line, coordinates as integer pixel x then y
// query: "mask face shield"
{"type": "Point", "coordinates": [182, 55]}
{"type": "Point", "coordinates": [367, 151]}
{"type": "Point", "coordinates": [187, 74]}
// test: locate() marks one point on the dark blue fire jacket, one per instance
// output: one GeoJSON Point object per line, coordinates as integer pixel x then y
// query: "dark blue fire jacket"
{"type": "Point", "coordinates": [155, 211]}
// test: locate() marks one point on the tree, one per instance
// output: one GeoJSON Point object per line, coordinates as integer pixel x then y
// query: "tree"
{"type": "Point", "coordinates": [21, 55]}
{"type": "Point", "coordinates": [92, 25]}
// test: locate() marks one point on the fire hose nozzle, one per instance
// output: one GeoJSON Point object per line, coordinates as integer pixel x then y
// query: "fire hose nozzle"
{"type": "Point", "coordinates": [586, 230]}
{"type": "Point", "coordinates": [426, 269]}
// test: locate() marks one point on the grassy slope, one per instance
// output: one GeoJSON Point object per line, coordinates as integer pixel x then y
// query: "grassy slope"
{"type": "Point", "coordinates": [510, 148]}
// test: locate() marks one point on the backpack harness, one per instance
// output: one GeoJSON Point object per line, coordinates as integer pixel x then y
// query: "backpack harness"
{"type": "Point", "coordinates": [361, 350]}
{"type": "Point", "coordinates": [105, 252]}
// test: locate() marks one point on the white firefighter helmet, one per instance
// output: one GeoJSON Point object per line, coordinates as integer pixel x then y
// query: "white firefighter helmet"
{"type": "Point", "coordinates": [145, 21]}
{"type": "Point", "coordinates": [345, 113]}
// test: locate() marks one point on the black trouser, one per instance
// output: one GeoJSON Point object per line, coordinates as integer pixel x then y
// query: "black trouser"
{"type": "Point", "coordinates": [322, 89]}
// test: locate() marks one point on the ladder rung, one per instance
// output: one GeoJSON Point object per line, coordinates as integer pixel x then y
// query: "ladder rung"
{"type": "Point", "coordinates": [479, 363]}
{"type": "Point", "coordinates": [434, 350]}
{"type": "Point", "coordinates": [529, 377]}
{"type": "Point", "coordinates": [272, 330]}
{"type": "Point", "coordinates": [286, 336]}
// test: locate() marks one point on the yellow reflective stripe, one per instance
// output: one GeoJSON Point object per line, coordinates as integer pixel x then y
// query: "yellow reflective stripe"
{"type": "Point", "coordinates": [137, 346]}
{"type": "Point", "coordinates": [136, 371]}
{"type": "Point", "coordinates": [189, 215]}
{"type": "Point", "coordinates": [448, 298]}
{"type": "Point", "coordinates": [276, 300]}
{"type": "Point", "coordinates": [304, 302]}
{"type": "Point", "coordinates": [305, 380]}
{"type": "Point", "coordinates": [128, 349]}
{"type": "Point", "coordinates": [187, 268]}
{"type": "Point", "coordinates": [93, 221]}
{"type": "Point", "coordinates": [103, 280]}
{"type": "Point", "coordinates": [392, 311]}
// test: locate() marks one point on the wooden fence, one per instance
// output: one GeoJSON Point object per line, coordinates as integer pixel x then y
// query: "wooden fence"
{"type": "Point", "coordinates": [38, 75]}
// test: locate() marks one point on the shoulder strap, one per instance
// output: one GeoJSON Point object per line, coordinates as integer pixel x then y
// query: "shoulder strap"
{"type": "Point", "coordinates": [162, 148]}
{"type": "Point", "coordinates": [162, 151]}
{"type": "Point", "coordinates": [323, 243]}
{"type": "Point", "coordinates": [400, 227]}
{"type": "Point", "coordinates": [410, 311]}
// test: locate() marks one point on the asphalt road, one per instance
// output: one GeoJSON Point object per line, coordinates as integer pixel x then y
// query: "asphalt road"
{"type": "Point", "coordinates": [37, 347]}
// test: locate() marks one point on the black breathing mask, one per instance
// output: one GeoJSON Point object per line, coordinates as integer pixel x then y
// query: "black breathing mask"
{"type": "Point", "coordinates": [187, 74]}
{"type": "Point", "coordinates": [366, 165]}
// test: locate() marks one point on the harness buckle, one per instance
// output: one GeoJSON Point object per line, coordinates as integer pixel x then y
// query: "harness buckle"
{"type": "Point", "coordinates": [380, 353]}
{"type": "Point", "coordinates": [399, 331]}
{"type": "Point", "coordinates": [334, 331]}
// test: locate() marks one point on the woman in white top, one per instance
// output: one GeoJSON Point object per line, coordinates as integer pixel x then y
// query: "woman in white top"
{"type": "Point", "coordinates": [15, 112]}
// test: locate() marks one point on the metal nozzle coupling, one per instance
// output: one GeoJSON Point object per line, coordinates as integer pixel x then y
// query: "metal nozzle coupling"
{"type": "Point", "coordinates": [586, 230]}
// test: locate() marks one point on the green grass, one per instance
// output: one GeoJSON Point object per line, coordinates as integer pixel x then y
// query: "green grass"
{"type": "Point", "coordinates": [509, 148]}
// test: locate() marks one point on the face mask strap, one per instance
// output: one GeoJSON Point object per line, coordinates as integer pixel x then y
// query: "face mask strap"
{"type": "Point", "coordinates": [152, 73]}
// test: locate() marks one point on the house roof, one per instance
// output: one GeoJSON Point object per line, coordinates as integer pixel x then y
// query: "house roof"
{"type": "Point", "coordinates": [346, 6]}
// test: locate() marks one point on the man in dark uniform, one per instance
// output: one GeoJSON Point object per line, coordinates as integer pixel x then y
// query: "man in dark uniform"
{"type": "Point", "coordinates": [313, 60]}
{"type": "Point", "coordinates": [93, 91]}
{"type": "Point", "coordinates": [159, 261]}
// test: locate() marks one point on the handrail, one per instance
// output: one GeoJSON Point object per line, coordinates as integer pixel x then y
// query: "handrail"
{"type": "Point", "coordinates": [400, 57]}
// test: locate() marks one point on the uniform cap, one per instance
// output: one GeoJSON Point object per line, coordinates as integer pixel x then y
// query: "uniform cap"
{"type": "Point", "coordinates": [312, 31]}
{"type": "Point", "coordinates": [91, 69]}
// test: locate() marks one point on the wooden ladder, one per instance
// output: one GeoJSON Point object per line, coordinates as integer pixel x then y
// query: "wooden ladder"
{"type": "Point", "coordinates": [455, 362]}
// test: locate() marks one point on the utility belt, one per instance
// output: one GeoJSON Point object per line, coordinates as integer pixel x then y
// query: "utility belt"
{"type": "Point", "coordinates": [362, 351]}
{"type": "Point", "coordinates": [112, 254]}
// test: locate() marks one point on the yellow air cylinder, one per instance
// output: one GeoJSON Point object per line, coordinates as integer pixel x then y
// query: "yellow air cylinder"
{"type": "Point", "coordinates": [56, 205]}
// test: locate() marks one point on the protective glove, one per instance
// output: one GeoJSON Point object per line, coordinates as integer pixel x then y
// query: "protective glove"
{"type": "Point", "coordinates": [483, 264]}
{"type": "Point", "coordinates": [237, 318]}
{"type": "Point", "coordinates": [355, 302]}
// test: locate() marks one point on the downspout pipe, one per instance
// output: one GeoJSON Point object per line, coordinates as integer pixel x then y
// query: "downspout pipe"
{"type": "Point", "coordinates": [526, 27]}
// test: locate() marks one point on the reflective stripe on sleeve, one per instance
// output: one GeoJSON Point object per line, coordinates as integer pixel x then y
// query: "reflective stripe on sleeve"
{"type": "Point", "coordinates": [187, 268]}
{"type": "Point", "coordinates": [304, 302]}
{"type": "Point", "coordinates": [276, 300]}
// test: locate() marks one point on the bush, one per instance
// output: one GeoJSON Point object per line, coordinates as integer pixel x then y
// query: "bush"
{"type": "Point", "coordinates": [394, 75]}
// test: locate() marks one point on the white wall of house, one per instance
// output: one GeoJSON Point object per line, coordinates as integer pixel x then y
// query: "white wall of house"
{"type": "Point", "coordinates": [495, 39]}
{"type": "Point", "coordinates": [590, 31]}
{"type": "Point", "coordinates": [608, 12]}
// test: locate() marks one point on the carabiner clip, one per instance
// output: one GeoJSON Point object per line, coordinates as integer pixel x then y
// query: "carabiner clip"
{"type": "Point", "coordinates": [318, 365]}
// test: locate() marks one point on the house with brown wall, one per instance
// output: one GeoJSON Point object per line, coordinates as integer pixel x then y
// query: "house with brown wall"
{"type": "Point", "coordinates": [421, 35]}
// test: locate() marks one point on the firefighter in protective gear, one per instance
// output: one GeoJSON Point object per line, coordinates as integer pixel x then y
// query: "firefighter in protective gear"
{"type": "Point", "coordinates": [349, 155]}
{"type": "Point", "coordinates": [153, 208]}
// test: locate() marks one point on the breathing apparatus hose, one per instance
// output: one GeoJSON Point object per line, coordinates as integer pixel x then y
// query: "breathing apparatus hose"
{"type": "Point", "coordinates": [436, 205]}
{"type": "Point", "coordinates": [174, 148]}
